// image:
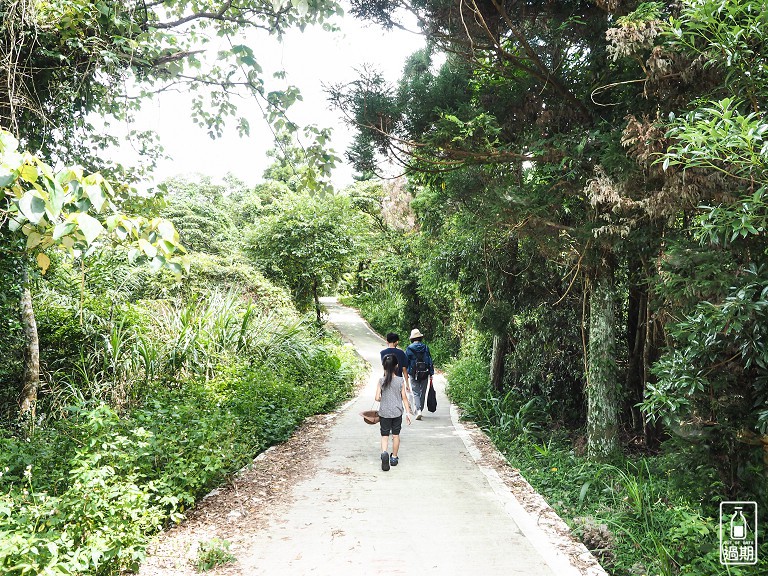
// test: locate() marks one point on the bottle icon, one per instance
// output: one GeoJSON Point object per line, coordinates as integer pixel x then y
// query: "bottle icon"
{"type": "Point", "coordinates": [738, 525]}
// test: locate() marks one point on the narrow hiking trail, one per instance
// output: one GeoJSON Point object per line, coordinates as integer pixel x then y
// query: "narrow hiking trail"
{"type": "Point", "coordinates": [320, 503]}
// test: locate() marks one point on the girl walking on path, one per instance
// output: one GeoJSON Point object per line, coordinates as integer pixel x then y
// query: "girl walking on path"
{"type": "Point", "coordinates": [392, 397]}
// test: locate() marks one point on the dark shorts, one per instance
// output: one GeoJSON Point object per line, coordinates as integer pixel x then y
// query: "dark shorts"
{"type": "Point", "coordinates": [393, 425]}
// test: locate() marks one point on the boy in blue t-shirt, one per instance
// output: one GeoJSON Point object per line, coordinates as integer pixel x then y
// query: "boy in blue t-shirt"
{"type": "Point", "coordinates": [392, 341]}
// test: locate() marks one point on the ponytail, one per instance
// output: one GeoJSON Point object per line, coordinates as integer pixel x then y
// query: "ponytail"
{"type": "Point", "coordinates": [389, 362]}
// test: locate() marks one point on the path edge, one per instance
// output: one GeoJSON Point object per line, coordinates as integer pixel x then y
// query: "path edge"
{"type": "Point", "coordinates": [562, 552]}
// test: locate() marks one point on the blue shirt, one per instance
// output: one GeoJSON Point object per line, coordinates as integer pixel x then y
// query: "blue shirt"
{"type": "Point", "coordinates": [402, 361]}
{"type": "Point", "coordinates": [410, 353]}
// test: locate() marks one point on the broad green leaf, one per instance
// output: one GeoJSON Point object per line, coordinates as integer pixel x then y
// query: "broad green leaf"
{"type": "Point", "coordinates": [32, 207]}
{"type": "Point", "coordinates": [55, 201]}
{"type": "Point", "coordinates": [8, 142]}
{"type": "Point", "coordinates": [166, 246]}
{"type": "Point", "coordinates": [71, 174]}
{"type": "Point", "coordinates": [7, 177]}
{"type": "Point", "coordinates": [175, 268]}
{"type": "Point", "coordinates": [147, 248]}
{"type": "Point", "coordinates": [33, 239]}
{"type": "Point", "coordinates": [96, 195]}
{"type": "Point", "coordinates": [167, 230]}
{"type": "Point", "coordinates": [90, 227]}
{"type": "Point", "coordinates": [46, 171]}
{"type": "Point", "coordinates": [62, 229]}
{"type": "Point", "coordinates": [74, 188]}
{"type": "Point", "coordinates": [156, 263]}
{"type": "Point", "coordinates": [28, 173]}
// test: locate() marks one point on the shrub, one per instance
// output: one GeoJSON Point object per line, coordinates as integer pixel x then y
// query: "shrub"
{"type": "Point", "coordinates": [83, 494]}
{"type": "Point", "coordinates": [657, 515]}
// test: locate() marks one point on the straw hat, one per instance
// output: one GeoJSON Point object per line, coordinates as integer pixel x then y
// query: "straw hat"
{"type": "Point", "coordinates": [416, 334]}
{"type": "Point", "coordinates": [370, 416]}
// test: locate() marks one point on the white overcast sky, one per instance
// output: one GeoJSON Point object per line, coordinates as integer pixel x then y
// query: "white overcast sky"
{"type": "Point", "coordinates": [311, 59]}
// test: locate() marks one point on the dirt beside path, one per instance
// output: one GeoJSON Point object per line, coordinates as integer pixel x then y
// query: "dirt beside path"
{"type": "Point", "coordinates": [320, 504]}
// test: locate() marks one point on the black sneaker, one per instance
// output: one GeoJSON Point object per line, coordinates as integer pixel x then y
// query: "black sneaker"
{"type": "Point", "coordinates": [384, 461]}
{"type": "Point", "coordinates": [393, 460]}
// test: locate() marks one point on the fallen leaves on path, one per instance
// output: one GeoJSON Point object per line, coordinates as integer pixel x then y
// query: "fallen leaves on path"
{"type": "Point", "coordinates": [240, 508]}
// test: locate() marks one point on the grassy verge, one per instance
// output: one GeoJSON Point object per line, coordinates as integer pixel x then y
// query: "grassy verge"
{"type": "Point", "coordinates": [84, 493]}
{"type": "Point", "coordinates": [651, 515]}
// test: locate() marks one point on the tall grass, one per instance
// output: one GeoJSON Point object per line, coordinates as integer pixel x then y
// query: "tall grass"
{"type": "Point", "coordinates": [202, 339]}
{"type": "Point", "coordinates": [149, 417]}
{"type": "Point", "coordinates": [384, 311]}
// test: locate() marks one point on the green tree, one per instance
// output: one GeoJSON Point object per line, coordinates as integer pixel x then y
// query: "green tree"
{"type": "Point", "coordinates": [42, 211]}
{"type": "Point", "coordinates": [513, 97]}
{"type": "Point", "coordinates": [202, 212]}
{"type": "Point", "coordinates": [712, 387]}
{"type": "Point", "coordinates": [629, 142]}
{"type": "Point", "coordinates": [307, 244]}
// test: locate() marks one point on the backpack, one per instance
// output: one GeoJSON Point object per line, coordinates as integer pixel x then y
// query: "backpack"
{"type": "Point", "coordinates": [421, 370]}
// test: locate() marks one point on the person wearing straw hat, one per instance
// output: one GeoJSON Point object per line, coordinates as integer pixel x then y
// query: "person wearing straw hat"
{"type": "Point", "coordinates": [393, 400]}
{"type": "Point", "coordinates": [420, 369]}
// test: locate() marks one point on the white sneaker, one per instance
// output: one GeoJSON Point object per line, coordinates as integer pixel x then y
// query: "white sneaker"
{"type": "Point", "coordinates": [418, 414]}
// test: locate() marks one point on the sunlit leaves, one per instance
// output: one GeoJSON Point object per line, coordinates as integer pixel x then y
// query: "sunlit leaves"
{"type": "Point", "coordinates": [89, 227]}
{"type": "Point", "coordinates": [731, 36]}
{"type": "Point", "coordinates": [66, 210]}
{"type": "Point", "coordinates": [32, 207]}
{"type": "Point", "coordinates": [721, 137]}
{"type": "Point", "coordinates": [77, 58]}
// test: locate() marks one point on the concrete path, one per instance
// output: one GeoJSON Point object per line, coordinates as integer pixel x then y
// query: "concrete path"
{"type": "Point", "coordinates": [436, 512]}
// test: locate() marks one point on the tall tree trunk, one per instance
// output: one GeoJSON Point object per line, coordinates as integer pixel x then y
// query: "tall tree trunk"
{"type": "Point", "coordinates": [635, 379]}
{"type": "Point", "coordinates": [316, 296]}
{"type": "Point", "coordinates": [31, 382]}
{"type": "Point", "coordinates": [602, 387]}
{"type": "Point", "coordinates": [498, 358]}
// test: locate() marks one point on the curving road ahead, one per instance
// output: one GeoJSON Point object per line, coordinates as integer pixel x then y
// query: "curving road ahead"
{"type": "Point", "coordinates": [434, 513]}
{"type": "Point", "coordinates": [443, 510]}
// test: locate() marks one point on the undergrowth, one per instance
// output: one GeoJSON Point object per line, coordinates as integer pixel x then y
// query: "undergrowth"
{"type": "Point", "coordinates": [649, 515]}
{"type": "Point", "coordinates": [84, 493]}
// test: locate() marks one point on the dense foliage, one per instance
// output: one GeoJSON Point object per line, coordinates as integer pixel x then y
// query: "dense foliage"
{"type": "Point", "coordinates": [154, 388]}
{"type": "Point", "coordinates": [587, 187]}
{"type": "Point", "coordinates": [154, 391]}
{"type": "Point", "coordinates": [580, 233]}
